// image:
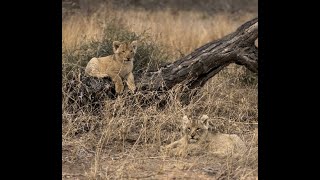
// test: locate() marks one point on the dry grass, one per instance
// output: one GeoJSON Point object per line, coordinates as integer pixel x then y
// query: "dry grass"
{"type": "Point", "coordinates": [180, 31]}
{"type": "Point", "coordinates": [124, 141]}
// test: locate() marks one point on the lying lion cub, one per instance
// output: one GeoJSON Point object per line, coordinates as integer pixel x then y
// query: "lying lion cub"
{"type": "Point", "coordinates": [198, 140]}
{"type": "Point", "coordinates": [118, 66]}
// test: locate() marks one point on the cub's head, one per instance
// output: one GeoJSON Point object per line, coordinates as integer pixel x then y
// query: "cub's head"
{"type": "Point", "coordinates": [124, 51]}
{"type": "Point", "coordinates": [195, 129]}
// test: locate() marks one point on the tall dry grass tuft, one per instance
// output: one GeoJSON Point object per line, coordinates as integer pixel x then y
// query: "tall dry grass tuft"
{"type": "Point", "coordinates": [123, 139]}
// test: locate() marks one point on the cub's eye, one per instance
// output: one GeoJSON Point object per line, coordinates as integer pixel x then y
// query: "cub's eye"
{"type": "Point", "coordinates": [131, 51]}
{"type": "Point", "coordinates": [123, 51]}
{"type": "Point", "coordinates": [198, 129]}
{"type": "Point", "coordinates": [188, 129]}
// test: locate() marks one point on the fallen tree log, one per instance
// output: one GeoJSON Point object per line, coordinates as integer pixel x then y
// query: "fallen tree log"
{"type": "Point", "coordinates": [191, 71]}
{"type": "Point", "coordinates": [203, 63]}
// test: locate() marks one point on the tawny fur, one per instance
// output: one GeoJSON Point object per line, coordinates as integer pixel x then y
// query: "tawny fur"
{"type": "Point", "coordinates": [118, 66]}
{"type": "Point", "coordinates": [198, 140]}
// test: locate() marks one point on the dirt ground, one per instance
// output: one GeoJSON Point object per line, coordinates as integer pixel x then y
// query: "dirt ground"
{"type": "Point", "coordinates": [146, 162]}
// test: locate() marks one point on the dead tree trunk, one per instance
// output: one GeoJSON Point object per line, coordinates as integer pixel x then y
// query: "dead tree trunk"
{"type": "Point", "coordinates": [203, 63]}
{"type": "Point", "coordinates": [191, 71]}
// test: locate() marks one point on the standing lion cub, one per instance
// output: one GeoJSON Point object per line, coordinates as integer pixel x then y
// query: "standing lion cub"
{"type": "Point", "coordinates": [198, 140]}
{"type": "Point", "coordinates": [118, 66]}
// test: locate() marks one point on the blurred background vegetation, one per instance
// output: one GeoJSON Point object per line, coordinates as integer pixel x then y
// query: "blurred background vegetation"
{"type": "Point", "coordinates": [209, 6]}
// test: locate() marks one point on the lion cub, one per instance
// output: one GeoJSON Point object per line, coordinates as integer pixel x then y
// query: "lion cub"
{"type": "Point", "coordinates": [198, 140]}
{"type": "Point", "coordinates": [118, 66]}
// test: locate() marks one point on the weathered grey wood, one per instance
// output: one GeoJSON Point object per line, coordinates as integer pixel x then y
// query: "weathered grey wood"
{"type": "Point", "coordinates": [203, 63]}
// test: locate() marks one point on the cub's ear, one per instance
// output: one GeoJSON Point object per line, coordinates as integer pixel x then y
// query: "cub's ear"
{"type": "Point", "coordinates": [204, 120]}
{"type": "Point", "coordinates": [134, 44]}
{"type": "Point", "coordinates": [185, 120]}
{"type": "Point", "coordinates": [116, 45]}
